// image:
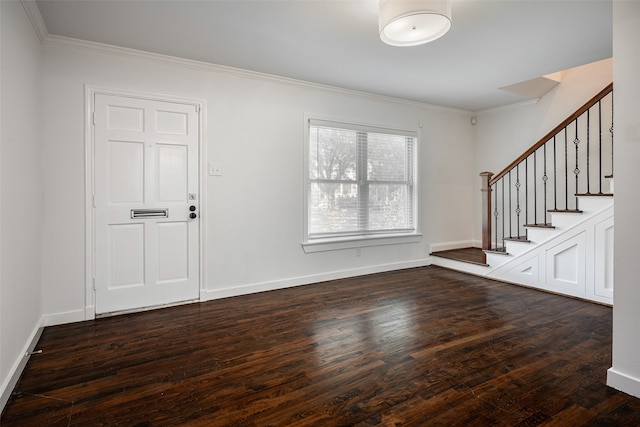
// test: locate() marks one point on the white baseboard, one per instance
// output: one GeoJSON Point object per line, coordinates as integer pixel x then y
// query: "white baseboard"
{"type": "Point", "coordinates": [211, 294]}
{"type": "Point", "coordinates": [19, 365]}
{"type": "Point", "coordinates": [21, 362]}
{"type": "Point", "coordinates": [89, 312]}
{"type": "Point", "coordinates": [623, 382]}
{"type": "Point", "coordinates": [64, 317]}
{"type": "Point", "coordinates": [446, 246]}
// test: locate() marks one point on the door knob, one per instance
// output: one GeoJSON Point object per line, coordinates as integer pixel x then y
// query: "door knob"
{"type": "Point", "coordinates": [192, 215]}
{"type": "Point", "coordinates": [192, 208]}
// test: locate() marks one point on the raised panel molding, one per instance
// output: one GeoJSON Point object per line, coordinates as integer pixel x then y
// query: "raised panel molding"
{"type": "Point", "coordinates": [603, 266]}
{"type": "Point", "coordinates": [566, 265]}
{"type": "Point", "coordinates": [526, 273]}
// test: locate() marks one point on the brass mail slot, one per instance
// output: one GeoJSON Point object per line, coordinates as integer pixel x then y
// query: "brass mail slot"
{"type": "Point", "coordinates": [149, 213]}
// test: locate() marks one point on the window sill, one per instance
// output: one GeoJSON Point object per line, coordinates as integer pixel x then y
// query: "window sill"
{"type": "Point", "coordinates": [334, 244]}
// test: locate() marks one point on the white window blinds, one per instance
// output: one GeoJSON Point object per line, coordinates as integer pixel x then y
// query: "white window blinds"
{"type": "Point", "coordinates": [360, 182]}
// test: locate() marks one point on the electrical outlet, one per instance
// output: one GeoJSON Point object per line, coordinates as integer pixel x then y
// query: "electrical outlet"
{"type": "Point", "coordinates": [215, 169]}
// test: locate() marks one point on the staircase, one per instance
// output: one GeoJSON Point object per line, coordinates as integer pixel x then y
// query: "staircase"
{"type": "Point", "coordinates": [548, 217]}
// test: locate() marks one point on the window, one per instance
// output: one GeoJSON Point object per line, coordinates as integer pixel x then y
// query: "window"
{"type": "Point", "coordinates": [360, 182]}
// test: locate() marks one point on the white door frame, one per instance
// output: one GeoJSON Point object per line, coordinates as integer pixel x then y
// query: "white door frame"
{"type": "Point", "coordinates": [90, 92]}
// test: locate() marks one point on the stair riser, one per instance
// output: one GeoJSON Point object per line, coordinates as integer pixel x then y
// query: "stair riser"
{"type": "Point", "coordinates": [516, 248]}
{"type": "Point", "coordinates": [538, 235]}
{"type": "Point", "coordinates": [479, 270]}
{"type": "Point", "coordinates": [593, 204]}
{"type": "Point", "coordinates": [496, 260]}
{"type": "Point", "coordinates": [565, 220]}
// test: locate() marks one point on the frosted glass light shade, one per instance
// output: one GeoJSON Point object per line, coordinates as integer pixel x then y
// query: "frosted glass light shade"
{"type": "Point", "coordinates": [413, 22]}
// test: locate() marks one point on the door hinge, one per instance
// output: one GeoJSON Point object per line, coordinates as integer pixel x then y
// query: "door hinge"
{"type": "Point", "coordinates": [93, 283]}
{"type": "Point", "coordinates": [93, 118]}
{"type": "Point", "coordinates": [93, 200]}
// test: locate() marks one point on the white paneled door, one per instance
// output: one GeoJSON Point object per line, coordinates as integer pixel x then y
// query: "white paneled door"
{"type": "Point", "coordinates": [146, 203]}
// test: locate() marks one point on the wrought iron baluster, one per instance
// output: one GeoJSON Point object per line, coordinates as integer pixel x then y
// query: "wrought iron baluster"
{"type": "Point", "coordinates": [495, 213]}
{"type": "Point", "coordinates": [555, 176]}
{"type": "Point", "coordinates": [576, 171]}
{"type": "Point", "coordinates": [611, 131]}
{"type": "Point", "coordinates": [544, 182]}
{"type": "Point", "coordinates": [535, 190]}
{"type": "Point", "coordinates": [526, 190]}
{"type": "Point", "coordinates": [510, 208]}
{"type": "Point", "coordinates": [518, 199]}
{"type": "Point", "coordinates": [600, 146]}
{"type": "Point", "coordinates": [588, 159]}
{"type": "Point", "coordinates": [566, 172]}
{"type": "Point", "coordinates": [503, 217]}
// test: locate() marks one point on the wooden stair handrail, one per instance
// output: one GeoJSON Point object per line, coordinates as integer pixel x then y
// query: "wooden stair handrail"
{"type": "Point", "coordinates": [604, 92]}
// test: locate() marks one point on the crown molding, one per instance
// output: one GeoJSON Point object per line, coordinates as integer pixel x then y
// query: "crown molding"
{"type": "Point", "coordinates": [31, 8]}
{"type": "Point", "coordinates": [68, 42]}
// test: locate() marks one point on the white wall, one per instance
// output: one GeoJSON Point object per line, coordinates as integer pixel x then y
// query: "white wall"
{"type": "Point", "coordinates": [20, 190]}
{"type": "Point", "coordinates": [503, 134]}
{"type": "Point", "coordinates": [625, 372]}
{"type": "Point", "coordinates": [254, 211]}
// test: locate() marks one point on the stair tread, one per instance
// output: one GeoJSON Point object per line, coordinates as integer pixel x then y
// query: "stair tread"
{"type": "Point", "coordinates": [518, 239]}
{"type": "Point", "coordinates": [496, 251]}
{"type": "Point", "coordinates": [565, 211]}
{"type": "Point", "coordinates": [595, 194]}
{"type": "Point", "coordinates": [539, 226]}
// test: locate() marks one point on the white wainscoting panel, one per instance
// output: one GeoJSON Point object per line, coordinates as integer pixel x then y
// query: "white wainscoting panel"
{"type": "Point", "coordinates": [603, 275]}
{"type": "Point", "coordinates": [527, 272]}
{"type": "Point", "coordinates": [566, 265]}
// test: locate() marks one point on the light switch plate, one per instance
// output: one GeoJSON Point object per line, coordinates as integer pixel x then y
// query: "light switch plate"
{"type": "Point", "coordinates": [215, 169]}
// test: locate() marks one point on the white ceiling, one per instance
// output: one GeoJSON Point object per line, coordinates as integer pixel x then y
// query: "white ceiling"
{"type": "Point", "coordinates": [491, 44]}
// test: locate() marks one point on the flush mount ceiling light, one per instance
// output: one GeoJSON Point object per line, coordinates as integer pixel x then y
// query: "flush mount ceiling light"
{"type": "Point", "coordinates": [413, 22]}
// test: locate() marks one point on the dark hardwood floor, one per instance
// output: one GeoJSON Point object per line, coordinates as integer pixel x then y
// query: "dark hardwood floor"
{"type": "Point", "coordinates": [418, 347]}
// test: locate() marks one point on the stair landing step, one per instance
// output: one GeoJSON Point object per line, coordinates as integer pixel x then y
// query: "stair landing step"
{"type": "Point", "coordinates": [468, 255]}
{"type": "Point", "coordinates": [539, 225]}
{"type": "Point", "coordinates": [595, 194]}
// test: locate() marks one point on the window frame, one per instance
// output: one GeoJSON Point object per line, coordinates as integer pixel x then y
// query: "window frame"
{"type": "Point", "coordinates": [356, 240]}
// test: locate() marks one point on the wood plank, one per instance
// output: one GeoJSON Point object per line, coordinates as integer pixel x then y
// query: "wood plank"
{"type": "Point", "coordinates": [423, 346]}
{"type": "Point", "coordinates": [471, 255]}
